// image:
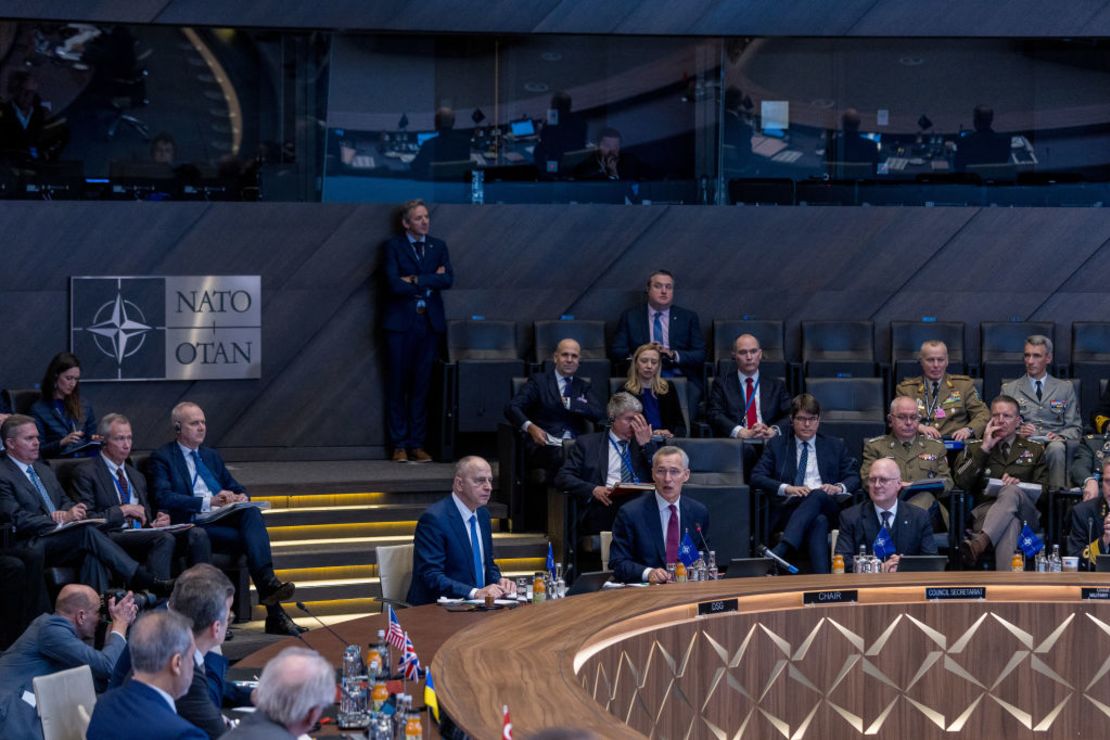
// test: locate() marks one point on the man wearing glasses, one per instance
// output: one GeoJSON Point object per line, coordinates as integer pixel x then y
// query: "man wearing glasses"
{"type": "Point", "coordinates": [909, 527]}
{"type": "Point", "coordinates": [805, 476]}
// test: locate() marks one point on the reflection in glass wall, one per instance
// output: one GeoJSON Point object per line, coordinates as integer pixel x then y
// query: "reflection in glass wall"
{"type": "Point", "coordinates": [155, 112]}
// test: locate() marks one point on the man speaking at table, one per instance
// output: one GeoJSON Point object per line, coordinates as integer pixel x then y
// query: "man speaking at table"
{"type": "Point", "coordinates": [648, 531]}
{"type": "Point", "coordinates": [453, 545]}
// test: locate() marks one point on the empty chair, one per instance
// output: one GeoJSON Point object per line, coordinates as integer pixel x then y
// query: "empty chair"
{"type": "Point", "coordinates": [1001, 347]}
{"type": "Point", "coordinates": [590, 335]}
{"type": "Point", "coordinates": [60, 698]}
{"type": "Point", "coordinates": [1090, 358]}
{"type": "Point", "coordinates": [20, 400]}
{"type": "Point", "coordinates": [772, 340]}
{"type": "Point", "coordinates": [395, 572]}
{"type": "Point", "coordinates": [838, 349]}
{"type": "Point", "coordinates": [853, 409]}
{"type": "Point", "coordinates": [905, 345]}
{"type": "Point", "coordinates": [714, 462]}
{"type": "Point", "coordinates": [717, 481]}
{"type": "Point", "coordinates": [483, 357]}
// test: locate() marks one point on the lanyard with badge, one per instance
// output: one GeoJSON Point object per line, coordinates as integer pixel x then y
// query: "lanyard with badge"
{"type": "Point", "coordinates": [626, 458]}
{"type": "Point", "coordinates": [421, 300]}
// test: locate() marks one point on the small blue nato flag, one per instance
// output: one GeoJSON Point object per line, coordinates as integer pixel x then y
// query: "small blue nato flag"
{"type": "Point", "coordinates": [1029, 542]}
{"type": "Point", "coordinates": [687, 550]}
{"type": "Point", "coordinates": [883, 546]}
{"type": "Point", "coordinates": [550, 561]}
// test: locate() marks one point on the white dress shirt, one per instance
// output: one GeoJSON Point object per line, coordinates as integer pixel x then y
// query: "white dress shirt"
{"type": "Point", "coordinates": [200, 488]}
{"type": "Point", "coordinates": [466, 513]}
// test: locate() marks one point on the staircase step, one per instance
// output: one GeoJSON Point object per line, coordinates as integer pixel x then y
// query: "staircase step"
{"type": "Point", "coordinates": [333, 498]}
{"type": "Point", "coordinates": [298, 554]}
{"type": "Point", "coordinates": [350, 514]}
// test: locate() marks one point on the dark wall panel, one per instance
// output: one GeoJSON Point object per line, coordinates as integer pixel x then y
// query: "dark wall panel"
{"type": "Point", "coordinates": [322, 366]}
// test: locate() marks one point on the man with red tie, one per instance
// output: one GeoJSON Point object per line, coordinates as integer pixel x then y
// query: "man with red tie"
{"type": "Point", "coordinates": [746, 404]}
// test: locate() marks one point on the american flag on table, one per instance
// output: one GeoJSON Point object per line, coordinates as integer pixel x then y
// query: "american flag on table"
{"type": "Point", "coordinates": [395, 636]}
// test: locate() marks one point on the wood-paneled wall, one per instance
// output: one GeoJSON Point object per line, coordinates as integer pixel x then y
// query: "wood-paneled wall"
{"type": "Point", "coordinates": [321, 390]}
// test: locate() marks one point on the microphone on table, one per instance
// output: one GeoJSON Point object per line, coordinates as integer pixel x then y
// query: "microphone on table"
{"type": "Point", "coordinates": [303, 608]}
{"type": "Point", "coordinates": [702, 538]}
{"type": "Point", "coordinates": [769, 554]}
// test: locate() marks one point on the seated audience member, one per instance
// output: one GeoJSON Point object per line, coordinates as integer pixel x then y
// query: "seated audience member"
{"type": "Point", "coordinates": [919, 457]}
{"type": "Point", "coordinates": [674, 330]}
{"type": "Point", "coordinates": [909, 527]}
{"type": "Point", "coordinates": [144, 707]}
{"type": "Point", "coordinates": [1086, 467]}
{"type": "Point", "coordinates": [554, 405]}
{"type": "Point", "coordinates": [55, 642]}
{"type": "Point", "coordinates": [448, 145]}
{"type": "Point", "coordinates": [1048, 408]}
{"type": "Point", "coordinates": [294, 691]}
{"type": "Point", "coordinates": [1089, 530]}
{"type": "Point", "coordinates": [949, 405]}
{"type": "Point", "coordinates": [803, 474]}
{"type": "Point", "coordinates": [66, 423]}
{"type": "Point", "coordinates": [453, 543]}
{"type": "Point", "coordinates": [28, 136]}
{"type": "Point", "coordinates": [163, 149]}
{"type": "Point", "coordinates": [851, 146]}
{"type": "Point", "coordinates": [609, 162]}
{"type": "Point", "coordinates": [747, 404]}
{"type": "Point", "coordinates": [662, 407]}
{"type": "Point", "coordinates": [32, 497]}
{"type": "Point", "coordinates": [648, 531]}
{"type": "Point", "coordinates": [984, 145]}
{"type": "Point", "coordinates": [564, 132]}
{"type": "Point", "coordinates": [597, 462]}
{"type": "Point", "coordinates": [112, 489]}
{"type": "Point", "coordinates": [191, 479]}
{"type": "Point", "coordinates": [1004, 455]}
{"type": "Point", "coordinates": [1100, 415]}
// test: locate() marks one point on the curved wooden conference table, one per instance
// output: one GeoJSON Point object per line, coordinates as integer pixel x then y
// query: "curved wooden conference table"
{"type": "Point", "coordinates": [1029, 659]}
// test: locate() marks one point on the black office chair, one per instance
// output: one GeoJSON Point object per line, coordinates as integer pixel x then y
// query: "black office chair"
{"type": "Point", "coordinates": [482, 358]}
{"type": "Point", "coordinates": [20, 400]}
{"type": "Point", "coordinates": [590, 335]}
{"type": "Point", "coordinates": [853, 409]}
{"type": "Point", "coordinates": [772, 340]}
{"type": "Point", "coordinates": [1002, 347]}
{"type": "Point", "coordinates": [1090, 359]}
{"type": "Point", "coordinates": [838, 349]}
{"type": "Point", "coordinates": [906, 338]}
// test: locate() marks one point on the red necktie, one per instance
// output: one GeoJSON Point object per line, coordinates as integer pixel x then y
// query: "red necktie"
{"type": "Point", "coordinates": [751, 419]}
{"type": "Point", "coordinates": [672, 535]}
{"type": "Point", "coordinates": [124, 489]}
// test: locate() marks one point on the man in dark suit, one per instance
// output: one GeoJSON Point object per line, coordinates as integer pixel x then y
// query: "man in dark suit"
{"type": "Point", "coordinates": [417, 269]}
{"type": "Point", "coordinates": [747, 404]}
{"type": "Point", "coordinates": [294, 690]}
{"type": "Point", "coordinates": [851, 147]}
{"type": "Point", "coordinates": [144, 708]}
{"type": "Point", "coordinates": [453, 543]}
{"type": "Point", "coordinates": [113, 490]}
{"type": "Point", "coordinates": [448, 145]}
{"type": "Point", "coordinates": [910, 527]}
{"type": "Point", "coordinates": [985, 145]}
{"type": "Point", "coordinates": [32, 496]}
{"type": "Point", "coordinates": [190, 479]}
{"type": "Point", "coordinates": [1090, 522]}
{"type": "Point", "coordinates": [675, 330]}
{"type": "Point", "coordinates": [55, 642]}
{"type": "Point", "coordinates": [805, 475]}
{"type": "Point", "coordinates": [598, 462]}
{"type": "Point", "coordinates": [647, 533]}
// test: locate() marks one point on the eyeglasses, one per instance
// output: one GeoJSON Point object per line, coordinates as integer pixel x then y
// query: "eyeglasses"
{"type": "Point", "coordinates": [873, 481]}
{"type": "Point", "coordinates": [807, 419]}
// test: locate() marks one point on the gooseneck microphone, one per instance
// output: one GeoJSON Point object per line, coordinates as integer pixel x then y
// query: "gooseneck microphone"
{"type": "Point", "coordinates": [303, 608]}
{"type": "Point", "coordinates": [702, 538]}
{"type": "Point", "coordinates": [768, 553]}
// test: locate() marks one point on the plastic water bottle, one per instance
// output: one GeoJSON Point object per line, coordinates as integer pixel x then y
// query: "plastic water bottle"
{"type": "Point", "coordinates": [1041, 562]}
{"type": "Point", "coordinates": [383, 656]}
{"type": "Point", "coordinates": [477, 186]}
{"type": "Point", "coordinates": [711, 566]}
{"type": "Point", "coordinates": [1055, 565]}
{"type": "Point", "coordinates": [859, 562]}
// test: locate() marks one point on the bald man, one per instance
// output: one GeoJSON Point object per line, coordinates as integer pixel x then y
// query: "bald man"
{"type": "Point", "coordinates": [295, 689]}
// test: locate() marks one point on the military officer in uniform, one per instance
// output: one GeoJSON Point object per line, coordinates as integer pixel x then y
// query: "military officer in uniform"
{"type": "Point", "coordinates": [1001, 454]}
{"type": "Point", "coordinates": [1086, 468]}
{"type": "Point", "coordinates": [919, 457]}
{"type": "Point", "coordinates": [1089, 531]}
{"type": "Point", "coordinates": [949, 405]}
{"type": "Point", "coordinates": [1048, 408]}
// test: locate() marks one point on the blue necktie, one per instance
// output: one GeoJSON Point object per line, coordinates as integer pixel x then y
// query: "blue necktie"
{"type": "Point", "coordinates": [50, 507]}
{"type": "Point", "coordinates": [205, 474]}
{"type": "Point", "coordinates": [479, 571]}
{"type": "Point", "coordinates": [657, 327]}
{"type": "Point", "coordinates": [886, 520]}
{"type": "Point", "coordinates": [568, 381]}
{"type": "Point", "coordinates": [626, 467]}
{"type": "Point", "coordinates": [800, 476]}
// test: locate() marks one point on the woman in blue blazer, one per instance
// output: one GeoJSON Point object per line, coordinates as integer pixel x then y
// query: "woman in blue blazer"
{"type": "Point", "coordinates": [659, 398]}
{"type": "Point", "coordinates": [66, 423]}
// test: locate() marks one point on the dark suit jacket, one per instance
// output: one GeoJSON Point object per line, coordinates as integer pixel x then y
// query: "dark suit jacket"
{"type": "Point", "coordinates": [684, 335]}
{"type": "Point", "coordinates": [911, 530]}
{"type": "Point", "coordinates": [259, 726]}
{"type": "Point", "coordinates": [135, 711]}
{"type": "Point", "coordinates": [638, 540]}
{"type": "Point", "coordinates": [442, 560]}
{"type": "Point", "coordinates": [53, 426]}
{"type": "Point", "coordinates": [587, 466]}
{"type": "Point", "coordinates": [779, 463]}
{"type": "Point", "coordinates": [670, 411]}
{"type": "Point", "coordinates": [173, 487]}
{"type": "Point", "coordinates": [540, 402]}
{"type": "Point", "coordinates": [50, 644]}
{"type": "Point", "coordinates": [400, 302]}
{"type": "Point", "coordinates": [726, 403]}
{"type": "Point", "coordinates": [22, 502]}
{"type": "Point", "coordinates": [448, 145]}
{"type": "Point", "coordinates": [198, 708]}
{"type": "Point", "coordinates": [96, 488]}
{"type": "Point", "coordinates": [982, 147]}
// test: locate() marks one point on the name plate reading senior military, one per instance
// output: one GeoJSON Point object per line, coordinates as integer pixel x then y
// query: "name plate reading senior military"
{"type": "Point", "coordinates": [830, 597]}
{"type": "Point", "coordinates": [947, 593]}
{"type": "Point", "coordinates": [721, 606]}
{"type": "Point", "coordinates": [1098, 593]}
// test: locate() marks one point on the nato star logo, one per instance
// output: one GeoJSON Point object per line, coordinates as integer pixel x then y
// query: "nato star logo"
{"type": "Point", "coordinates": [119, 335]}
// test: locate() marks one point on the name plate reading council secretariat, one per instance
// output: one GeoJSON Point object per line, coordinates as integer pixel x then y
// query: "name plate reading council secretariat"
{"type": "Point", "coordinates": [721, 606]}
{"type": "Point", "coordinates": [942, 593]}
{"type": "Point", "coordinates": [829, 597]}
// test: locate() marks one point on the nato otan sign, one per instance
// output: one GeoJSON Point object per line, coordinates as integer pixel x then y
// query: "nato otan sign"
{"type": "Point", "coordinates": [173, 327]}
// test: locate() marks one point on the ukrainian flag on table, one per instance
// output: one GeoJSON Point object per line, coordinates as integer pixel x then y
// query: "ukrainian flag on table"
{"type": "Point", "coordinates": [430, 695]}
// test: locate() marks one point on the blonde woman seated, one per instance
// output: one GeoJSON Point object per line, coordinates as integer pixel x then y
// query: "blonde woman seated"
{"type": "Point", "coordinates": [658, 397]}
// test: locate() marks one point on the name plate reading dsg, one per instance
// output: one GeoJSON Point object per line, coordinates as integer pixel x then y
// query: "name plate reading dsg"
{"type": "Point", "coordinates": [943, 593]}
{"type": "Point", "coordinates": [830, 597]}
{"type": "Point", "coordinates": [1099, 593]}
{"type": "Point", "coordinates": [721, 606]}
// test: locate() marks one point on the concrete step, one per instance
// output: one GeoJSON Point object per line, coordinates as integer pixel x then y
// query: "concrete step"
{"type": "Point", "coordinates": [330, 553]}
{"type": "Point", "coordinates": [353, 513]}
